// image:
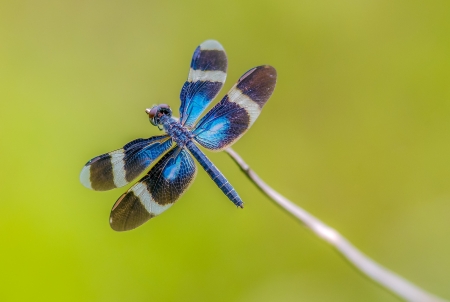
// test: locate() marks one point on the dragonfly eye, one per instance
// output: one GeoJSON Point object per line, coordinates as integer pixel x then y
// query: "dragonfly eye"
{"type": "Point", "coordinates": [164, 106]}
{"type": "Point", "coordinates": [152, 113]}
{"type": "Point", "coordinates": [164, 109]}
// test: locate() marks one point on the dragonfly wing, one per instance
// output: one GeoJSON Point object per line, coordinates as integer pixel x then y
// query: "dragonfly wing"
{"type": "Point", "coordinates": [206, 77]}
{"type": "Point", "coordinates": [156, 192]}
{"type": "Point", "coordinates": [118, 168]}
{"type": "Point", "coordinates": [226, 122]}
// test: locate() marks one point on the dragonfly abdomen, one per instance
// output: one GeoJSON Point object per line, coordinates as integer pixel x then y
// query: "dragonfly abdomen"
{"type": "Point", "coordinates": [215, 174]}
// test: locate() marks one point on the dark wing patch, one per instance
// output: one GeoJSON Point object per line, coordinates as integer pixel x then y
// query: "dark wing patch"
{"type": "Point", "coordinates": [118, 168]}
{"type": "Point", "coordinates": [226, 122]}
{"type": "Point", "coordinates": [155, 192]}
{"type": "Point", "coordinates": [206, 77]}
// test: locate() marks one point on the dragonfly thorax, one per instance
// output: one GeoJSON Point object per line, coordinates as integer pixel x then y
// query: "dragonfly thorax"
{"type": "Point", "coordinates": [180, 134]}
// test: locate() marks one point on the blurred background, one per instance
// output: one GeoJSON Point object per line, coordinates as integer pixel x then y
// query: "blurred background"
{"type": "Point", "coordinates": [357, 132]}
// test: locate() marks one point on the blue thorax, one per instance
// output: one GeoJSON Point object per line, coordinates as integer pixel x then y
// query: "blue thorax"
{"type": "Point", "coordinates": [179, 134]}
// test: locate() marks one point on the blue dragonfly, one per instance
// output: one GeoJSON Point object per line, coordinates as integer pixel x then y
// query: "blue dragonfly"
{"type": "Point", "coordinates": [173, 173]}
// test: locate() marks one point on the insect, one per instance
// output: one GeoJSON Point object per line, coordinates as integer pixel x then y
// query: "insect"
{"type": "Point", "coordinates": [173, 173]}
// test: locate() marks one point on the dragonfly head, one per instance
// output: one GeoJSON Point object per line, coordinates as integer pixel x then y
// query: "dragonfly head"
{"type": "Point", "coordinates": [156, 112]}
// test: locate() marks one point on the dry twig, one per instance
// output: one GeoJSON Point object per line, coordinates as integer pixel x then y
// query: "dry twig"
{"type": "Point", "coordinates": [388, 279]}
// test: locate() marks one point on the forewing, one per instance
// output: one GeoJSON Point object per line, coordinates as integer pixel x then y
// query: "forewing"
{"type": "Point", "coordinates": [156, 192]}
{"type": "Point", "coordinates": [226, 122]}
{"type": "Point", "coordinates": [117, 168]}
{"type": "Point", "coordinates": [206, 77]}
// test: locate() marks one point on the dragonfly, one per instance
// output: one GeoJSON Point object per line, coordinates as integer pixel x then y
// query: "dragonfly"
{"type": "Point", "coordinates": [174, 169]}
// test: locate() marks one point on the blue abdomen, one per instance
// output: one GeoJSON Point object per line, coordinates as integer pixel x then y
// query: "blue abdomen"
{"type": "Point", "coordinates": [215, 174]}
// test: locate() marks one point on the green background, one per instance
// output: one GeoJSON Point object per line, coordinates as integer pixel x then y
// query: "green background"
{"type": "Point", "coordinates": [357, 132]}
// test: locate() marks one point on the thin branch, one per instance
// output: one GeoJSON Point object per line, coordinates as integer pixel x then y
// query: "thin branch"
{"type": "Point", "coordinates": [388, 279]}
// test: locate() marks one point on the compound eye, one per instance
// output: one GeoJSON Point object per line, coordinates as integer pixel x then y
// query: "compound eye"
{"type": "Point", "coordinates": [152, 112]}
